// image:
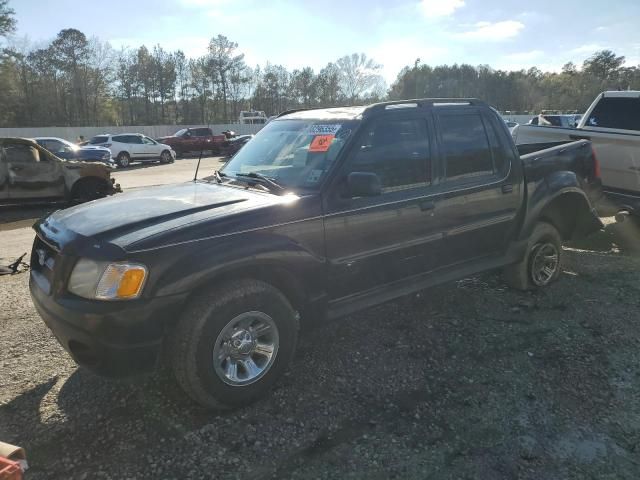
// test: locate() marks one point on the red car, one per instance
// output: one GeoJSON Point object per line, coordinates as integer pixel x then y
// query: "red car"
{"type": "Point", "coordinates": [197, 139]}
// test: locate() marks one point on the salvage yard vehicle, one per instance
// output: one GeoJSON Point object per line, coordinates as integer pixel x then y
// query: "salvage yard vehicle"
{"type": "Point", "coordinates": [31, 173]}
{"type": "Point", "coordinates": [65, 149]}
{"type": "Point", "coordinates": [196, 140]}
{"type": "Point", "coordinates": [130, 147]}
{"type": "Point", "coordinates": [612, 124]}
{"type": "Point", "coordinates": [323, 213]}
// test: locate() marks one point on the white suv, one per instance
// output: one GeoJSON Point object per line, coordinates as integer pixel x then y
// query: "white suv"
{"type": "Point", "coordinates": [129, 147]}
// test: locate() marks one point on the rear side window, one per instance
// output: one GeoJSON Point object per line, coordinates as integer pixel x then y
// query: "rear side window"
{"type": "Point", "coordinates": [98, 139]}
{"type": "Point", "coordinates": [616, 112]}
{"type": "Point", "coordinates": [201, 132]}
{"type": "Point", "coordinates": [465, 146]}
{"type": "Point", "coordinates": [121, 138]}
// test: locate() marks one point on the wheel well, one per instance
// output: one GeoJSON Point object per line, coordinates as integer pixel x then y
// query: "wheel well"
{"type": "Point", "coordinates": [564, 212]}
{"type": "Point", "coordinates": [278, 277]}
{"type": "Point", "coordinates": [87, 180]}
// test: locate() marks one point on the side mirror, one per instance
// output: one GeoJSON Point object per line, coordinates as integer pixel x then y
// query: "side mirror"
{"type": "Point", "coordinates": [187, 134]}
{"type": "Point", "coordinates": [363, 184]}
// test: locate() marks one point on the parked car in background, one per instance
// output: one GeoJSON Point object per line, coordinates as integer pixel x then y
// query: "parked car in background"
{"type": "Point", "coordinates": [252, 117]}
{"type": "Point", "coordinates": [196, 139]}
{"type": "Point", "coordinates": [134, 147]}
{"type": "Point", "coordinates": [612, 124]}
{"type": "Point", "coordinates": [69, 151]}
{"type": "Point", "coordinates": [29, 172]}
{"type": "Point", "coordinates": [324, 213]}
{"type": "Point", "coordinates": [233, 145]}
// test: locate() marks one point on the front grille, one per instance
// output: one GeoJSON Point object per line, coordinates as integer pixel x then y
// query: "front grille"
{"type": "Point", "coordinates": [43, 258]}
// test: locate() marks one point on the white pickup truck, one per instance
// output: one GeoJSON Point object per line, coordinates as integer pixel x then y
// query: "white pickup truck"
{"type": "Point", "coordinates": [612, 124]}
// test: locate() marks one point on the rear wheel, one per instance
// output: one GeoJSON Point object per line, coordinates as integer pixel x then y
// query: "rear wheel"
{"type": "Point", "coordinates": [542, 262]}
{"type": "Point", "coordinates": [165, 157]}
{"type": "Point", "coordinates": [233, 343]}
{"type": "Point", "coordinates": [123, 159]}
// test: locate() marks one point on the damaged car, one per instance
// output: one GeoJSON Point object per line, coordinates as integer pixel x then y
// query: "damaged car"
{"type": "Point", "coordinates": [31, 173]}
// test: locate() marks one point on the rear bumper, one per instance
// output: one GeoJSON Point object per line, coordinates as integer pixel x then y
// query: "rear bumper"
{"type": "Point", "coordinates": [113, 339]}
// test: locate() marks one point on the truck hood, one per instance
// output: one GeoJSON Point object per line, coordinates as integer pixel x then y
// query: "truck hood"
{"type": "Point", "coordinates": [129, 217]}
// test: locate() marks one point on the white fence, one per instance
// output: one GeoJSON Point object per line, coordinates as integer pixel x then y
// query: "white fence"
{"type": "Point", "coordinates": [153, 131]}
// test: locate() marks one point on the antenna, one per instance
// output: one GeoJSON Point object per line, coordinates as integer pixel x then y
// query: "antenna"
{"type": "Point", "coordinates": [195, 176]}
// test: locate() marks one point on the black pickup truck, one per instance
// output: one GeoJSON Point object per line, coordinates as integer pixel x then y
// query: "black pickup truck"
{"type": "Point", "coordinates": [323, 213]}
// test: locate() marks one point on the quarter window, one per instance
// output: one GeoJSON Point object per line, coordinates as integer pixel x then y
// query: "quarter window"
{"type": "Point", "coordinates": [465, 147]}
{"type": "Point", "coordinates": [397, 151]}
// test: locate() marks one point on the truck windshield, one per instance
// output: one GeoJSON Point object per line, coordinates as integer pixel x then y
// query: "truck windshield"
{"type": "Point", "coordinates": [294, 153]}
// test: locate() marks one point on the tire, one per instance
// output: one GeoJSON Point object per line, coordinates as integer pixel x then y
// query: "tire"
{"type": "Point", "coordinates": [165, 157]}
{"type": "Point", "coordinates": [123, 159]}
{"type": "Point", "coordinates": [542, 262]}
{"type": "Point", "coordinates": [89, 189]}
{"type": "Point", "coordinates": [205, 330]}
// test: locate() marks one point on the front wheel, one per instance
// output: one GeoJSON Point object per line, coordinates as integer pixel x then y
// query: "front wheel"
{"type": "Point", "coordinates": [123, 159]}
{"type": "Point", "coordinates": [165, 157]}
{"type": "Point", "coordinates": [233, 343]}
{"type": "Point", "coordinates": [542, 261]}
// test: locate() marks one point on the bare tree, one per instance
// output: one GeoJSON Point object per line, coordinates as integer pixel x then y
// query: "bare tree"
{"type": "Point", "coordinates": [358, 74]}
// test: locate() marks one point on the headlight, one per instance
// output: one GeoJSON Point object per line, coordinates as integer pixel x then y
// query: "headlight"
{"type": "Point", "coordinates": [107, 281]}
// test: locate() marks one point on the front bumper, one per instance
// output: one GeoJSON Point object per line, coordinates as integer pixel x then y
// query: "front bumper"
{"type": "Point", "coordinates": [113, 339]}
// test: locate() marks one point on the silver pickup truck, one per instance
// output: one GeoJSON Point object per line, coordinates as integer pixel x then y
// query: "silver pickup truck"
{"type": "Point", "coordinates": [612, 124]}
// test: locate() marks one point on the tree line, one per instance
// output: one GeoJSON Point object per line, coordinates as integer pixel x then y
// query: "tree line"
{"type": "Point", "coordinates": [79, 81]}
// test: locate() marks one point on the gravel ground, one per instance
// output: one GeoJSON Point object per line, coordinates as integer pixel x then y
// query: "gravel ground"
{"type": "Point", "coordinates": [466, 380]}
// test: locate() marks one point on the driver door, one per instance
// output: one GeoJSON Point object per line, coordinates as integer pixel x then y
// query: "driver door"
{"type": "Point", "coordinates": [152, 149]}
{"type": "Point", "coordinates": [378, 240]}
{"type": "Point", "coordinates": [32, 173]}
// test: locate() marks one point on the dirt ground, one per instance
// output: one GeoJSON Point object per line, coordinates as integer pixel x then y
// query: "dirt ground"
{"type": "Point", "coordinates": [467, 380]}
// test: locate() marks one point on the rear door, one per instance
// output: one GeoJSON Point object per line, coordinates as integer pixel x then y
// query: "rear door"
{"type": "Point", "coordinates": [480, 184]}
{"type": "Point", "coordinates": [137, 149]}
{"type": "Point", "coordinates": [375, 241]}
{"type": "Point", "coordinates": [32, 173]}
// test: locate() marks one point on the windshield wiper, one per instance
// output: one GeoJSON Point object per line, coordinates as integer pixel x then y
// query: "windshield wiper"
{"type": "Point", "coordinates": [218, 176]}
{"type": "Point", "coordinates": [256, 177]}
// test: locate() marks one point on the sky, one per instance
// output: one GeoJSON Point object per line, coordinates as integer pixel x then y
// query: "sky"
{"type": "Point", "coordinates": [501, 33]}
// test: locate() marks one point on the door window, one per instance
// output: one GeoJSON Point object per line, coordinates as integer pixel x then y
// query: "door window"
{"type": "Point", "coordinates": [20, 153]}
{"type": "Point", "coordinates": [148, 141]}
{"type": "Point", "coordinates": [465, 147]}
{"type": "Point", "coordinates": [397, 151]}
{"type": "Point", "coordinates": [134, 139]}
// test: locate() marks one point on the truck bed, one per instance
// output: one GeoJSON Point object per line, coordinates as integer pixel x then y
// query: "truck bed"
{"type": "Point", "coordinates": [542, 159]}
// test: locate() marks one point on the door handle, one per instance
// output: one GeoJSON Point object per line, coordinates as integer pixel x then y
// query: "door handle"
{"type": "Point", "coordinates": [428, 205]}
{"type": "Point", "coordinates": [507, 188]}
{"type": "Point", "coordinates": [16, 169]}
{"type": "Point", "coordinates": [579, 137]}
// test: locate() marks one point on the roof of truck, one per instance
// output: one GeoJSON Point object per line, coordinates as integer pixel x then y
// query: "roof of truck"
{"type": "Point", "coordinates": [355, 112]}
{"type": "Point", "coordinates": [622, 93]}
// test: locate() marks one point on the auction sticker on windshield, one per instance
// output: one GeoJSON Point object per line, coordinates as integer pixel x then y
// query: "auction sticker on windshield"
{"type": "Point", "coordinates": [321, 143]}
{"type": "Point", "coordinates": [329, 129]}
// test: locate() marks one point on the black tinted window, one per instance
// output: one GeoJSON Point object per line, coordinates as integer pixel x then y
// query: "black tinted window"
{"type": "Point", "coordinates": [465, 146]}
{"type": "Point", "coordinates": [121, 138]}
{"type": "Point", "coordinates": [200, 132]}
{"type": "Point", "coordinates": [395, 150]}
{"type": "Point", "coordinates": [98, 139]}
{"type": "Point", "coordinates": [620, 112]}
{"type": "Point", "coordinates": [20, 153]}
